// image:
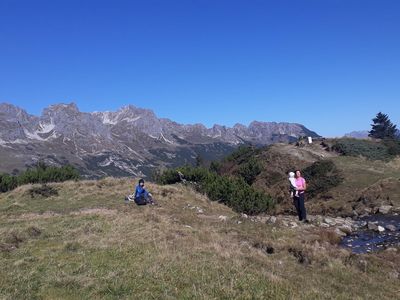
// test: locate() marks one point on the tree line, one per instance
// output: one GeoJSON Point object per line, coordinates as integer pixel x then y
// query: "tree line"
{"type": "Point", "coordinates": [40, 173]}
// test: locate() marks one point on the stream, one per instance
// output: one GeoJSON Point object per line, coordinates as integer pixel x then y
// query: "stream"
{"type": "Point", "coordinates": [366, 241]}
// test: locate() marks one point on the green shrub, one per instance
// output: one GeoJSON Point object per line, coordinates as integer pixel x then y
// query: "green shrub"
{"type": "Point", "coordinates": [249, 170]}
{"type": "Point", "coordinates": [393, 147]}
{"type": "Point", "coordinates": [169, 176]}
{"type": "Point", "coordinates": [39, 174]}
{"type": "Point", "coordinates": [242, 154]}
{"type": "Point", "coordinates": [7, 183]}
{"type": "Point", "coordinates": [373, 150]}
{"type": "Point", "coordinates": [321, 177]}
{"type": "Point", "coordinates": [215, 167]}
{"type": "Point", "coordinates": [232, 191]}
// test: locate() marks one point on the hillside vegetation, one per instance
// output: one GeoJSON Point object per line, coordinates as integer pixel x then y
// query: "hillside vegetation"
{"type": "Point", "coordinates": [345, 176]}
{"type": "Point", "coordinates": [84, 242]}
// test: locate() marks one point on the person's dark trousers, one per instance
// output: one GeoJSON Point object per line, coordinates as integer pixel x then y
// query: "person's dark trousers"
{"type": "Point", "coordinates": [300, 207]}
{"type": "Point", "coordinates": [141, 200]}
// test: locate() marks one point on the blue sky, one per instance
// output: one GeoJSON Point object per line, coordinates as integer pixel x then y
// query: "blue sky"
{"type": "Point", "coordinates": [330, 65]}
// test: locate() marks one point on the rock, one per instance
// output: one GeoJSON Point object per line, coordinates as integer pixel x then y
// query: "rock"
{"type": "Point", "coordinates": [324, 225]}
{"type": "Point", "coordinates": [223, 218]}
{"type": "Point", "coordinates": [347, 230]}
{"type": "Point", "coordinates": [244, 216]}
{"type": "Point", "coordinates": [200, 211]}
{"type": "Point", "coordinates": [385, 209]}
{"type": "Point", "coordinates": [293, 224]}
{"type": "Point", "coordinates": [391, 249]}
{"type": "Point", "coordinates": [329, 221]}
{"type": "Point", "coordinates": [363, 224]}
{"type": "Point", "coordinates": [339, 221]}
{"type": "Point", "coordinates": [391, 227]}
{"type": "Point", "coordinates": [340, 232]}
{"type": "Point", "coordinates": [381, 229]}
{"type": "Point", "coordinates": [239, 222]}
{"type": "Point", "coordinates": [367, 210]}
{"type": "Point", "coordinates": [372, 226]}
{"type": "Point", "coordinates": [272, 220]}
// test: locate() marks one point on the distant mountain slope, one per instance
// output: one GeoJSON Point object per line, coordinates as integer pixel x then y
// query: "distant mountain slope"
{"type": "Point", "coordinates": [361, 134]}
{"type": "Point", "coordinates": [130, 141]}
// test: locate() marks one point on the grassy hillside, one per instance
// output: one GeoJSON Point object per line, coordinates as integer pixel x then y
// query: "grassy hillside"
{"type": "Point", "coordinates": [79, 240]}
{"type": "Point", "coordinates": [364, 183]}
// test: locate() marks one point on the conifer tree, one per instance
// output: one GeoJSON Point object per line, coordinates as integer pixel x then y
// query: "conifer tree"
{"type": "Point", "coordinates": [382, 128]}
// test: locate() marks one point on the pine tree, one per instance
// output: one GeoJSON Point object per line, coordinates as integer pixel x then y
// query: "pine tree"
{"type": "Point", "coordinates": [382, 128]}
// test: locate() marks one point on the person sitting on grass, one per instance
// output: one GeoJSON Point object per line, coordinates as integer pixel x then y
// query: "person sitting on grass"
{"type": "Point", "coordinates": [142, 196]}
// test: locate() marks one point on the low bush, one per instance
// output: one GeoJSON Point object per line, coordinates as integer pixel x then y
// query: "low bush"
{"type": "Point", "coordinates": [232, 191]}
{"type": "Point", "coordinates": [243, 153]}
{"type": "Point", "coordinates": [393, 147]}
{"type": "Point", "coordinates": [321, 176]}
{"type": "Point", "coordinates": [250, 170]}
{"type": "Point", "coordinates": [41, 173]}
{"type": "Point", "coordinates": [374, 150]}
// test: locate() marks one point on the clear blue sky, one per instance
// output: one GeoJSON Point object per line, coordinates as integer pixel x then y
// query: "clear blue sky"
{"type": "Point", "coordinates": [328, 64]}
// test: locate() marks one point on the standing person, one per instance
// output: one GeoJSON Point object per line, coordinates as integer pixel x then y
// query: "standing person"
{"type": "Point", "coordinates": [299, 199]}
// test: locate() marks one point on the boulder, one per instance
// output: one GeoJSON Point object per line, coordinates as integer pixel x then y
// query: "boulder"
{"type": "Point", "coordinates": [330, 221]}
{"type": "Point", "coordinates": [372, 226]}
{"type": "Point", "coordinates": [385, 209]}
{"type": "Point", "coordinates": [391, 249]}
{"type": "Point", "coordinates": [340, 221]}
{"type": "Point", "coordinates": [381, 229]}
{"type": "Point", "coordinates": [367, 210]}
{"type": "Point", "coordinates": [347, 230]}
{"type": "Point", "coordinates": [340, 232]}
{"type": "Point", "coordinates": [391, 227]}
{"type": "Point", "coordinates": [396, 209]}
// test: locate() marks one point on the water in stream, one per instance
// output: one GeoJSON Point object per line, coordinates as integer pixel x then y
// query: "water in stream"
{"type": "Point", "coordinates": [366, 241]}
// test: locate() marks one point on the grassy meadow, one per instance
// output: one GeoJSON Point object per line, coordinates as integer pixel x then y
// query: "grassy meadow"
{"type": "Point", "coordinates": [83, 242]}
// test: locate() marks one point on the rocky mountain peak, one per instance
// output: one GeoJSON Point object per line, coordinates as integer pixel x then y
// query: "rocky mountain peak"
{"type": "Point", "coordinates": [125, 141]}
{"type": "Point", "coordinates": [13, 113]}
{"type": "Point", "coordinates": [68, 108]}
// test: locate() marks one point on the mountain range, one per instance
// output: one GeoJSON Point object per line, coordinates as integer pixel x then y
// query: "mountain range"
{"type": "Point", "coordinates": [364, 134]}
{"type": "Point", "coordinates": [360, 134]}
{"type": "Point", "coordinates": [128, 142]}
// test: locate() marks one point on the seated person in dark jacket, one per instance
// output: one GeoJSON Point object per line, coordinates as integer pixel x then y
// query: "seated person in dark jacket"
{"type": "Point", "coordinates": [142, 196]}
